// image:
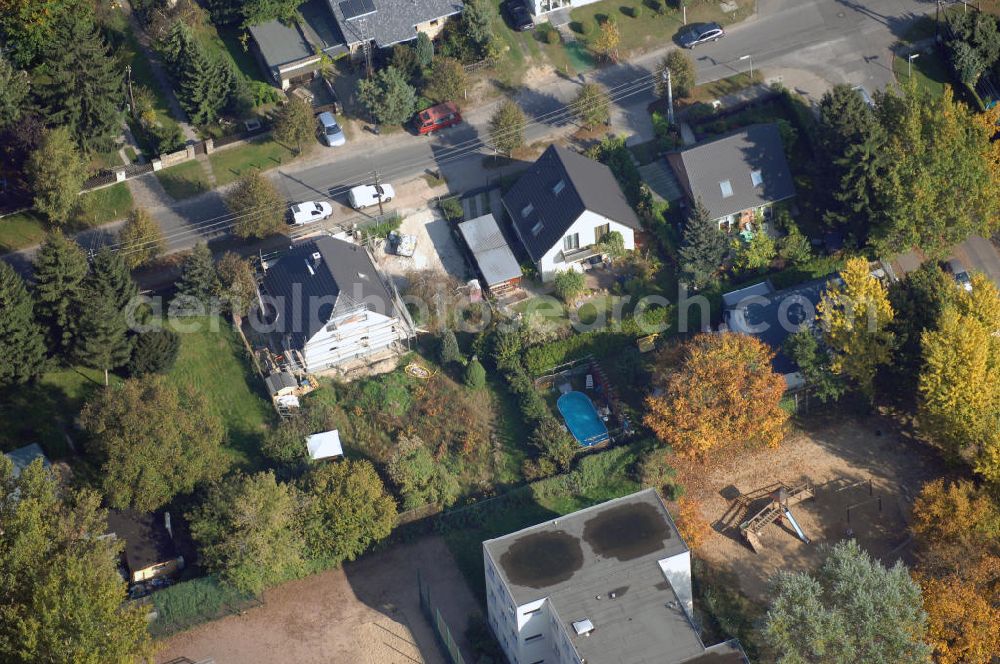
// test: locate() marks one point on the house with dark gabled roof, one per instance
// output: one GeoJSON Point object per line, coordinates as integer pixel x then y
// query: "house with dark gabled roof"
{"type": "Point", "coordinates": [563, 206]}
{"type": "Point", "coordinates": [737, 177]}
{"type": "Point", "coordinates": [324, 305]}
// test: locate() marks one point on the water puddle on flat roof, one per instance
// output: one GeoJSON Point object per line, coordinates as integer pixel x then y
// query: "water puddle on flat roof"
{"type": "Point", "coordinates": [627, 531]}
{"type": "Point", "coordinates": [542, 559]}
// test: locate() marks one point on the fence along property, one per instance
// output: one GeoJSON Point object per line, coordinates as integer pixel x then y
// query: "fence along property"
{"type": "Point", "coordinates": [191, 151]}
{"type": "Point", "coordinates": [441, 629]}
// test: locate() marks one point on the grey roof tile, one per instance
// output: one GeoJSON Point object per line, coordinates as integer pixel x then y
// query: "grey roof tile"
{"type": "Point", "coordinates": [394, 21]}
{"type": "Point", "coordinates": [727, 165]}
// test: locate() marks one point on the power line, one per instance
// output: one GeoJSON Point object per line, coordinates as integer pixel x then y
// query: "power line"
{"type": "Point", "coordinates": [459, 151]}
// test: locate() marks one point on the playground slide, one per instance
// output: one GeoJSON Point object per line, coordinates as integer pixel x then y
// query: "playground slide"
{"type": "Point", "coordinates": [795, 525]}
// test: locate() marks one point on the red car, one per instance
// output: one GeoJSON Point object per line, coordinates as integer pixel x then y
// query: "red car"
{"type": "Point", "coordinates": [437, 117]}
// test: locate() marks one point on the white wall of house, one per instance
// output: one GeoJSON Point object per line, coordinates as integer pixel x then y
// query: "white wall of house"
{"type": "Point", "coordinates": [539, 7]}
{"type": "Point", "coordinates": [677, 570]}
{"type": "Point", "coordinates": [350, 336]}
{"type": "Point", "coordinates": [584, 227]}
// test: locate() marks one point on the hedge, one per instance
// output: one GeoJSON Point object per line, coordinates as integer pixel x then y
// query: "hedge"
{"type": "Point", "coordinates": [599, 343]}
{"type": "Point", "coordinates": [189, 603]}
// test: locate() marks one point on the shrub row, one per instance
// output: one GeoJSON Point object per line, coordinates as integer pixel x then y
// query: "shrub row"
{"type": "Point", "coordinates": [599, 343]}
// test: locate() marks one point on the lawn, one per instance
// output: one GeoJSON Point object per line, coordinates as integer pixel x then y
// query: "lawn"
{"type": "Point", "coordinates": [20, 230]}
{"type": "Point", "coordinates": [213, 361]}
{"type": "Point", "coordinates": [229, 38]}
{"type": "Point", "coordinates": [929, 71]}
{"type": "Point", "coordinates": [559, 315]}
{"type": "Point", "coordinates": [184, 180]}
{"type": "Point", "coordinates": [261, 154]}
{"type": "Point", "coordinates": [27, 229]}
{"type": "Point", "coordinates": [43, 412]}
{"type": "Point", "coordinates": [649, 29]}
{"type": "Point", "coordinates": [596, 479]}
{"type": "Point", "coordinates": [102, 206]}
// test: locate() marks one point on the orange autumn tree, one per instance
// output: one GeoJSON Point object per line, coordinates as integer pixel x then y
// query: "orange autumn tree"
{"type": "Point", "coordinates": [963, 611]}
{"type": "Point", "coordinates": [721, 394]}
{"type": "Point", "coordinates": [958, 528]}
{"type": "Point", "coordinates": [691, 524]}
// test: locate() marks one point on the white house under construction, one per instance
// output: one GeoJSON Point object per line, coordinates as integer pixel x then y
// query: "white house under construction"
{"type": "Point", "coordinates": [325, 306]}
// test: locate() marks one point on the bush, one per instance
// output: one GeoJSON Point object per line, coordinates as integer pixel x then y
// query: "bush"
{"type": "Point", "coordinates": [569, 284]}
{"type": "Point", "coordinates": [451, 208]}
{"type": "Point", "coordinates": [552, 36]}
{"type": "Point", "coordinates": [582, 27]}
{"type": "Point", "coordinates": [691, 524]}
{"type": "Point", "coordinates": [189, 603]}
{"type": "Point", "coordinates": [154, 351]}
{"type": "Point", "coordinates": [167, 138]}
{"type": "Point", "coordinates": [635, 12]}
{"type": "Point", "coordinates": [475, 375]}
{"type": "Point", "coordinates": [448, 351]}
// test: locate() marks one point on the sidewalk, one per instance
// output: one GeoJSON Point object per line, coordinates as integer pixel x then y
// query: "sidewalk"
{"type": "Point", "coordinates": [196, 218]}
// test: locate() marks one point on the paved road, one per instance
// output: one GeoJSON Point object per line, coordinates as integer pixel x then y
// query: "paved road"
{"type": "Point", "coordinates": [822, 41]}
{"type": "Point", "coordinates": [980, 255]}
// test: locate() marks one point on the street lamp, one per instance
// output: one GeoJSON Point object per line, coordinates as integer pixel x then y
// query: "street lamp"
{"type": "Point", "coordinates": [909, 64]}
{"type": "Point", "coordinates": [747, 57]}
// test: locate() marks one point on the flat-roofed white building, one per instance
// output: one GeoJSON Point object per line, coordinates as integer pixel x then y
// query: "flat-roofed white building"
{"type": "Point", "coordinates": [610, 584]}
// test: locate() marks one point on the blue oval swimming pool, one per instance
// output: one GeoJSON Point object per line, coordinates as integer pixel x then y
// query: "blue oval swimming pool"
{"type": "Point", "coordinates": [582, 419]}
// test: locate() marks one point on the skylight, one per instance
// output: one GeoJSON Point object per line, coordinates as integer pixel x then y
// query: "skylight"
{"type": "Point", "coordinates": [527, 209]}
{"type": "Point", "coordinates": [559, 186]}
{"type": "Point", "coordinates": [757, 178]}
{"type": "Point", "coordinates": [537, 228]}
{"type": "Point", "coordinates": [727, 188]}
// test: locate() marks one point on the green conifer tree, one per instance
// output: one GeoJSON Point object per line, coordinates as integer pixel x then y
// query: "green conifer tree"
{"type": "Point", "coordinates": [109, 279]}
{"type": "Point", "coordinates": [60, 268]}
{"type": "Point", "coordinates": [702, 248]}
{"type": "Point", "coordinates": [102, 336]}
{"type": "Point", "coordinates": [22, 351]}
{"type": "Point", "coordinates": [199, 279]}
{"type": "Point", "coordinates": [81, 85]}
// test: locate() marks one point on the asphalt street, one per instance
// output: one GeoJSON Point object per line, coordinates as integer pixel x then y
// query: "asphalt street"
{"type": "Point", "coordinates": [837, 41]}
{"type": "Point", "coordinates": [830, 41]}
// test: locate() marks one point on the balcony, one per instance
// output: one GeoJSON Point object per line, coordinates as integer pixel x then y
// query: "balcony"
{"type": "Point", "coordinates": [581, 254]}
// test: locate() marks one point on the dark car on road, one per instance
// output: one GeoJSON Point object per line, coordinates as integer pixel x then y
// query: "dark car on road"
{"type": "Point", "coordinates": [956, 269]}
{"type": "Point", "coordinates": [518, 15]}
{"type": "Point", "coordinates": [699, 33]}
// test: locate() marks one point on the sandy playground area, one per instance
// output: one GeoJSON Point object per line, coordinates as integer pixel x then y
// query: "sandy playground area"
{"type": "Point", "coordinates": [366, 613]}
{"type": "Point", "coordinates": [864, 475]}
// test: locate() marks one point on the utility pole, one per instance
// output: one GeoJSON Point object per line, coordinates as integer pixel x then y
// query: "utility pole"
{"type": "Point", "coordinates": [670, 96]}
{"type": "Point", "coordinates": [131, 98]}
{"type": "Point", "coordinates": [378, 193]}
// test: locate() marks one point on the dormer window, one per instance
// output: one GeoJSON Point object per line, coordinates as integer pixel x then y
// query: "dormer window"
{"type": "Point", "coordinates": [757, 178]}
